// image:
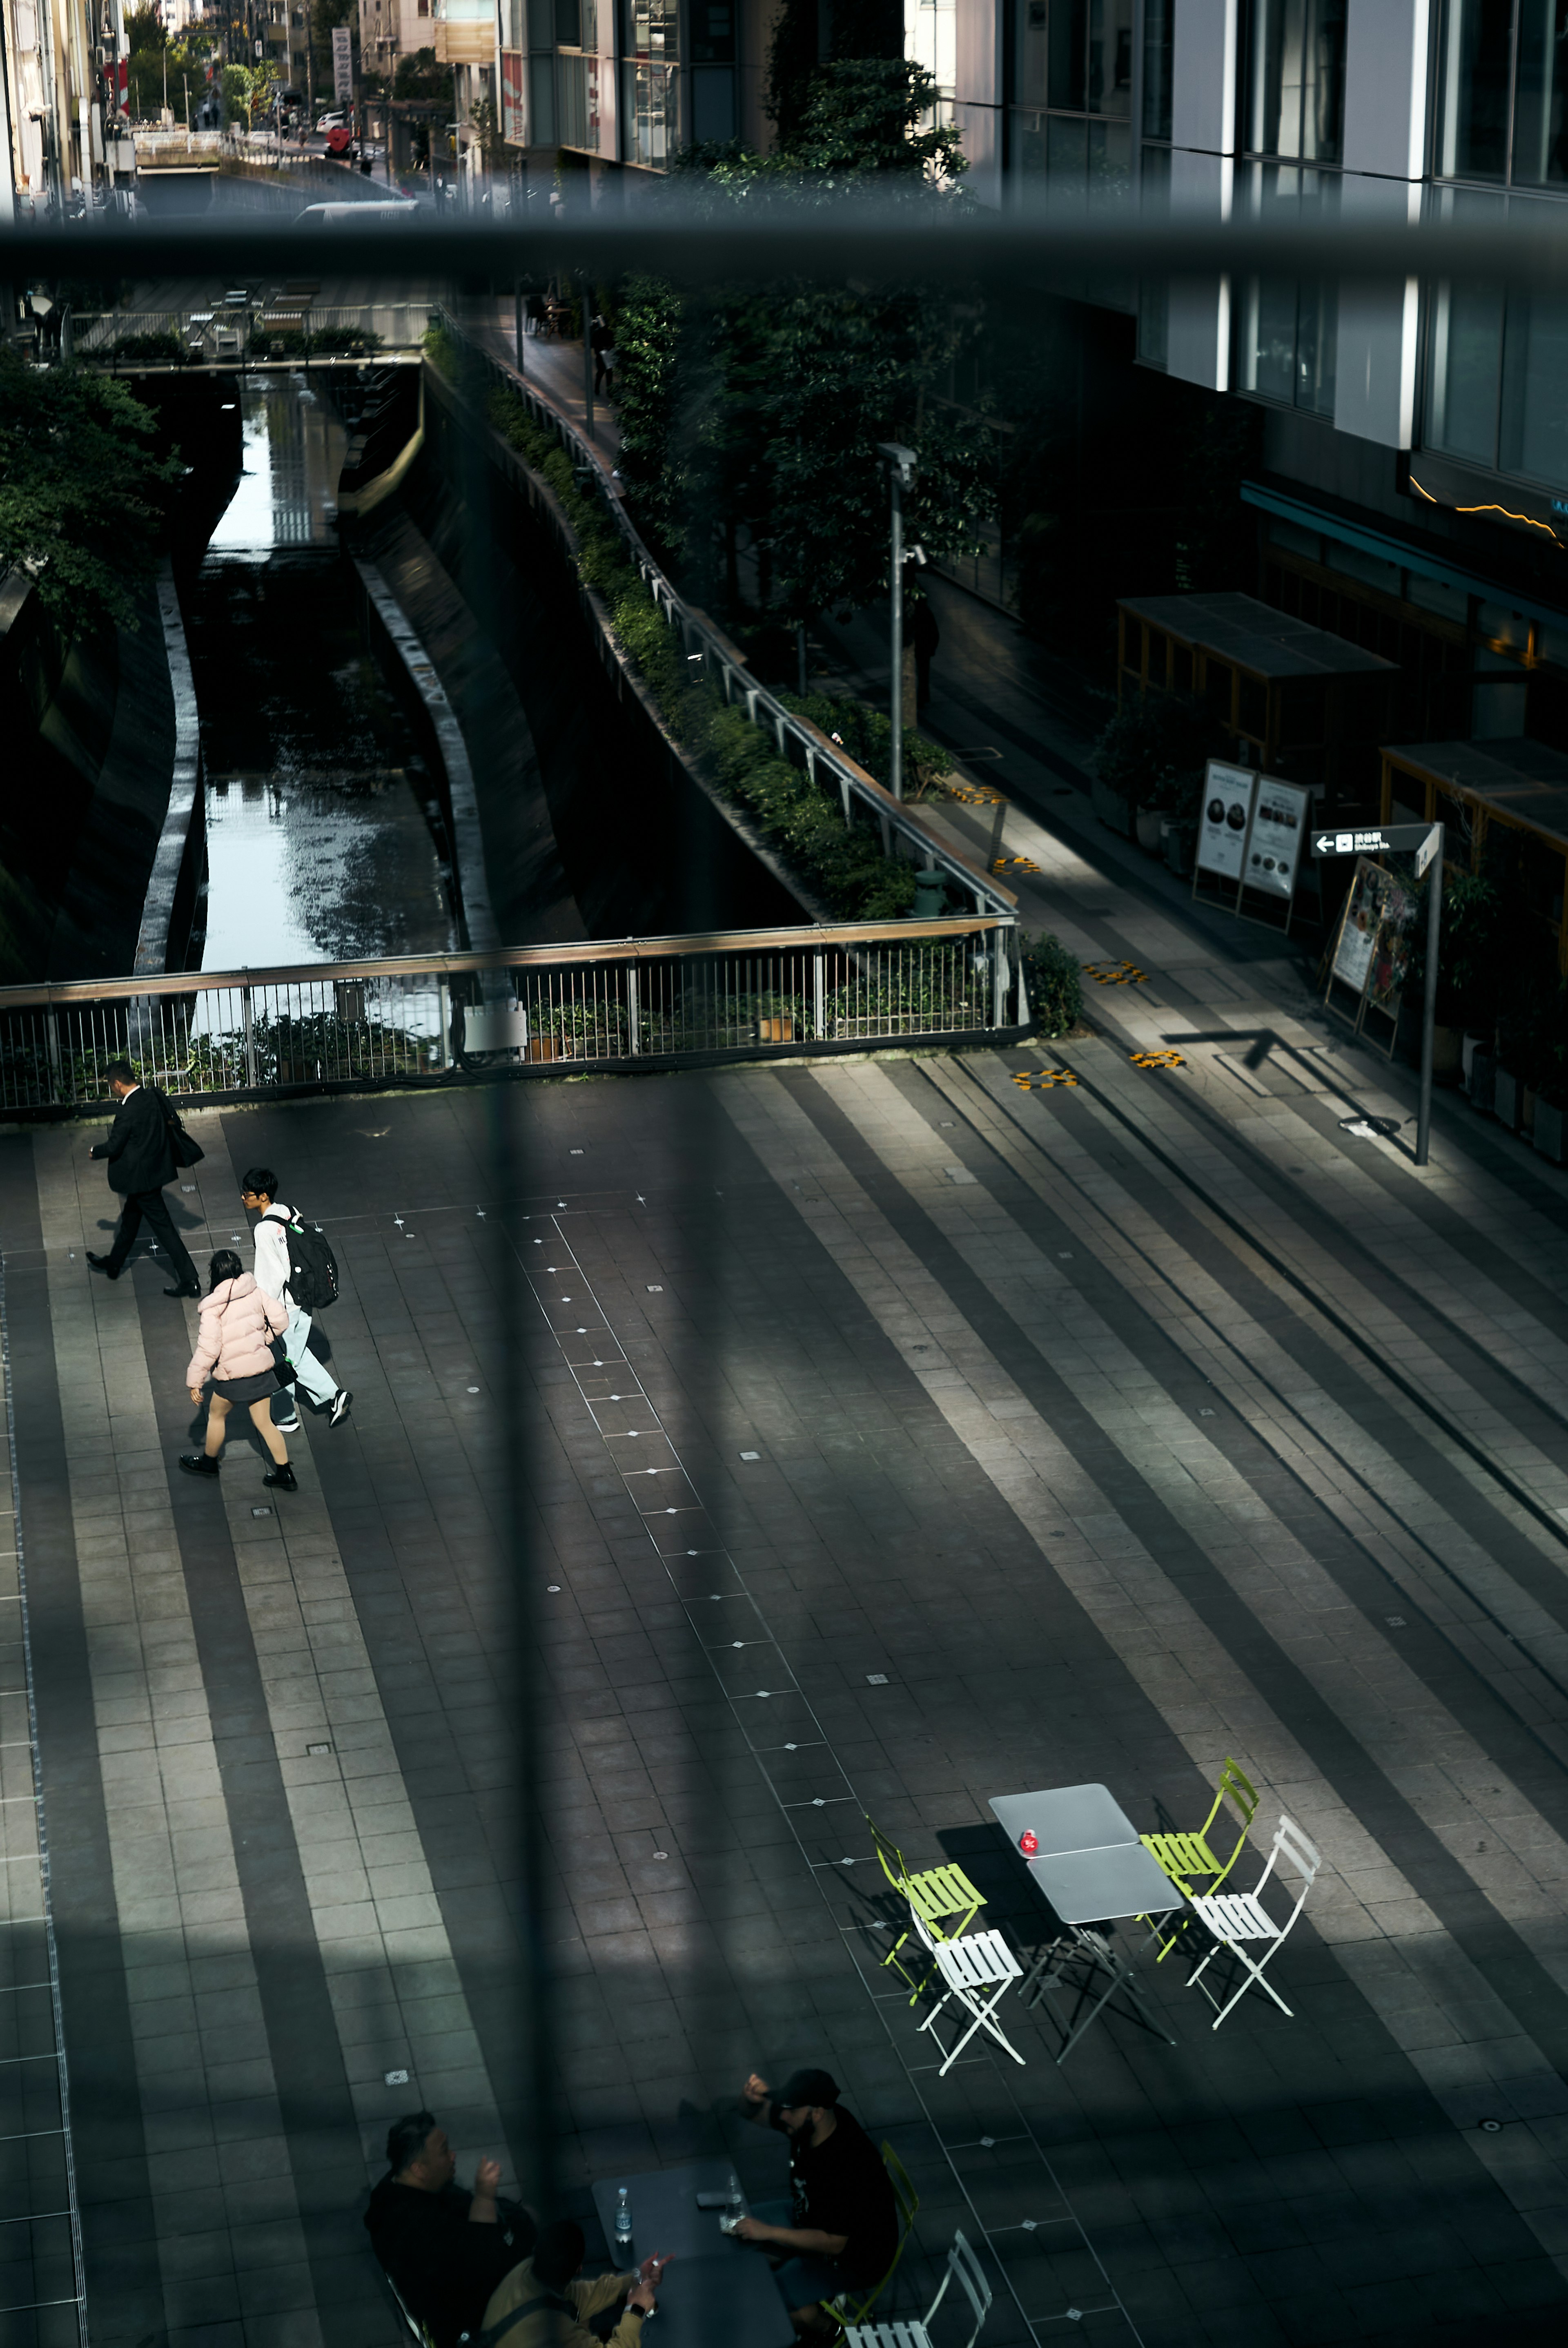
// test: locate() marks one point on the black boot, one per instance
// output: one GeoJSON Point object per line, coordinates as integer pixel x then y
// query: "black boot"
{"type": "Point", "coordinates": [282, 1479]}
{"type": "Point", "coordinates": [102, 1263]}
{"type": "Point", "coordinates": [199, 1463]}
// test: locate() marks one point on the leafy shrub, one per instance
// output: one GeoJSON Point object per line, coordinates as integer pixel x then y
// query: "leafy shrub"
{"type": "Point", "coordinates": [1055, 983]}
{"type": "Point", "coordinates": [160, 349]}
{"type": "Point", "coordinates": [1155, 751]}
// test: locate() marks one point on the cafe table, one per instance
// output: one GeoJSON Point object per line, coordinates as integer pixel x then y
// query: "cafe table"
{"type": "Point", "coordinates": [1088, 1861]}
{"type": "Point", "coordinates": [716, 2293]}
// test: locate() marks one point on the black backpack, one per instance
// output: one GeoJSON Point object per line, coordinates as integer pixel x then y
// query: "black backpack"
{"type": "Point", "coordinates": [312, 1267]}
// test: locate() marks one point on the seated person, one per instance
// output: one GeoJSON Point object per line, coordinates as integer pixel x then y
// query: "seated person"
{"type": "Point", "coordinates": [843, 2228]}
{"type": "Point", "coordinates": [446, 2249]}
{"type": "Point", "coordinates": [542, 2304]}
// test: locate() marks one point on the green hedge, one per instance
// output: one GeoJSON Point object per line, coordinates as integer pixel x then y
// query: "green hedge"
{"type": "Point", "coordinates": [1055, 983]}
{"type": "Point", "coordinates": [842, 863]}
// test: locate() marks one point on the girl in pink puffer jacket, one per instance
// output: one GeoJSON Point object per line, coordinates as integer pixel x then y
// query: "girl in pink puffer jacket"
{"type": "Point", "coordinates": [231, 1347]}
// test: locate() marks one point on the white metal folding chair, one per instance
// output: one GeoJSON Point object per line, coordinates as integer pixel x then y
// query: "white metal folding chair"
{"type": "Point", "coordinates": [979, 1963]}
{"type": "Point", "coordinates": [1233, 1917]}
{"type": "Point", "coordinates": [915, 2331]}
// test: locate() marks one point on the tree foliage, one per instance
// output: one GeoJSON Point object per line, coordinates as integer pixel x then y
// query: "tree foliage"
{"type": "Point", "coordinates": [757, 411]}
{"type": "Point", "coordinates": [81, 488]}
{"type": "Point", "coordinates": [422, 76]}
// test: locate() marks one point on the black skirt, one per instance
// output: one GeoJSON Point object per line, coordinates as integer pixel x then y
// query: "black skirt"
{"type": "Point", "coordinates": [255, 1388]}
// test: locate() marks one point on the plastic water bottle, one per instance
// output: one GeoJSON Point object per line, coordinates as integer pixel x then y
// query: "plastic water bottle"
{"type": "Point", "coordinates": [736, 2195]}
{"type": "Point", "coordinates": [622, 2219]}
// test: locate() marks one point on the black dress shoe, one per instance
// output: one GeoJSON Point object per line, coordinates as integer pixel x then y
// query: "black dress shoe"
{"type": "Point", "coordinates": [199, 1463]}
{"type": "Point", "coordinates": [192, 1289]}
{"type": "Point", "coordinates": [282, 1479]}
{"type": "Point", "coordinates": [102, 1263]}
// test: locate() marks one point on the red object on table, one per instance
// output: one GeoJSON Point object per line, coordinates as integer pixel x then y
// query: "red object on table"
{"type": "Point", "coordinates": [339, 141]}
{"type": "Point", "coordinates": [1029, 1842]}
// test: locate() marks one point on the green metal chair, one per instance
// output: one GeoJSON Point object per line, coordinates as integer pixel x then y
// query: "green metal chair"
{"type": "Point", "coordinates": [909, 2202]}
{"type": "Point", "coordinates": [1185, 1856]}
{"type": "Point", "coordinates": [937, 1894]}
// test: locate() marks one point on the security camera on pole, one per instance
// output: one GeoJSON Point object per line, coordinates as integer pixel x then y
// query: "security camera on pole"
{"type": "Point", "coordinates": [903, 465]}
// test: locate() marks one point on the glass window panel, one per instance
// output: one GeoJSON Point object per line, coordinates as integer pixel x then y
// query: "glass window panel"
{"type": "Point", "coordinates": [713, 33]}
{"type": "Point", "coordinates": [1068, 168]}
{"type": "Point", "coordinates": [1153, 293]}
{"type": "Point", "coordinates": [1252, 710]}
{"type": "Point", "coordinates": [1316, 323]}
{"type": "Point", "coordinates": [1466, 371]}
{"type": "Point", "coordinates": [1472, 89]}
{"type": "Point", "coordinates": [1030, 57]}
{"type": "Point", "coordinates": [1268, 348]}
{"type": "Point", "coordinates": [569, 24]}
{"type": "Point", "coordinates": [1217, 681]}
{"type": "Point", "coordinates": [1540, 132]}
{"type": "Point", "coordinates": [1534, 434]}
{"type": "Point", "coordinates": [1295, 97]}
{"type": "Point", "coordinates": [1110, 59]}
{"type": "Point", "coordinates": [1028, 152]}
{"type": "Point", "coordinates": [1158, 16]}
{"type": "Point", "coordinates": [1069, 43]}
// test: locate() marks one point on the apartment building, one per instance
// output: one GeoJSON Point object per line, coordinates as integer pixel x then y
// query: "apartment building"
{"type": "Point", "coordinates": [63, 87]}
{"type": "Point", "coordinates": [1414, 493]}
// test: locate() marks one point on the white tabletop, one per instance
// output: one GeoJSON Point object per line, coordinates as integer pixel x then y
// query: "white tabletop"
{"type": "Point", "coordinates": [1091, 1864]}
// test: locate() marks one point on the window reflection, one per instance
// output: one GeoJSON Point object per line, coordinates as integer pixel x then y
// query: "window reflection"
{"type": "Point", "coordinates": [1295, 93]}
{"type": "Point", "coordinates": [1288, 330]}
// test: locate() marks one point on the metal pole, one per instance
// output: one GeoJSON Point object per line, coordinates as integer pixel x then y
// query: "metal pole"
{"type": "Point", "coordinates": [1429, 1008]}
{"type": "Point", "coordinates": [588, 356]}
{"type": "Point", "coordinates": [896, 762]}
{"type": "Point", "coordinates": [517, 320]}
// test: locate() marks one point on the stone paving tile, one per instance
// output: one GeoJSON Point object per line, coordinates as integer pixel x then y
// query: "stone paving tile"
{"type": "Point", "coordinates": [1112, 1459]}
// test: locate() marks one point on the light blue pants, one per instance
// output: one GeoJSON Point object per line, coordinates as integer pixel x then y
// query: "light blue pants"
{"type": "Point", "coordinates": [313, 1377]}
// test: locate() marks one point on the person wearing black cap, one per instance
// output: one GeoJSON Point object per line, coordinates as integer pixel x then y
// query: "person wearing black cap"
{"type": "Point", "coordinates": [842, 2222]}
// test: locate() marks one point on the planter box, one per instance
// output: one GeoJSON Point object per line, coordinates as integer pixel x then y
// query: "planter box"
{"type": "Point", "coordinates": [1151, 824]}
{"type": "Point", "coordinates": [1448, 1063]}
{"type": "Point", "coordinates": [1113, 809]}
{"type": "Point", "coordinates": [1508, 1100]}
{"type": "Point", "coordinates": [1482, 1081]}
{"type": "Point", "coordinates": [1472, 1045]}
{"type": "Point", "coordinates": [1551, 1134]}
{"type": "Point", "coordinates": [776, 1031]}
{"type": "Point", "coordinates": [1527, 1121]}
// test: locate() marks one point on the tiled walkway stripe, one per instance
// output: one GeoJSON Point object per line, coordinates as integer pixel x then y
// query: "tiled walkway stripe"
{"type": "Point", "coordinates": [612, 1392]}
{"type": "Point", "coordinates": [41, 2264]}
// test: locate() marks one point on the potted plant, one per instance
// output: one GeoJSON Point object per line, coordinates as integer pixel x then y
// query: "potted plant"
{"type": "Point", "coordinates": [1148, 765]}
{"type": "Point", "coordinates": [1468, 954]}
{"type": "Point", "coordinates": [1054, 984]}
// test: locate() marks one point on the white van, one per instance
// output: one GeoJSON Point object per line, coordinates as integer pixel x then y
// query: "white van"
{"type": "Point", "coordinates": [395, 207]}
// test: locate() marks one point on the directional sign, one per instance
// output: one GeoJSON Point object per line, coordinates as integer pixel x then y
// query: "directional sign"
{"type": "Point", "coordinates": [1371, 842]}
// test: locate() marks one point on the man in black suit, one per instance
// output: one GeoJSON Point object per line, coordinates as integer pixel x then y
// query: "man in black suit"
{"type": "Point", "coordinates": [141, 1160]}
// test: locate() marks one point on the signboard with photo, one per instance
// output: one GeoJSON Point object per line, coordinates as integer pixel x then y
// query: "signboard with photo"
{"type": "Point", "coordinates": [1372, 950]}
{"type": "Point", "coordinates": [1226, 820]}
{"type": "Point", "coordinates": [1279, 822]}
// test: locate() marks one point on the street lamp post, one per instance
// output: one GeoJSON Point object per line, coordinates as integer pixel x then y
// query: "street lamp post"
{"type": "Point", "coordinates": [902, 467]}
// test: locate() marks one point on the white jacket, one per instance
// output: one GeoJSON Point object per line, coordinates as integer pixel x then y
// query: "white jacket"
{"type": "Point", "coordinates": [272, 1252]}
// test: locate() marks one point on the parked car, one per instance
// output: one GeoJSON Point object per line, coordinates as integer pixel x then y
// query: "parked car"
{"type": "Point", "coordinates": [332, 122]}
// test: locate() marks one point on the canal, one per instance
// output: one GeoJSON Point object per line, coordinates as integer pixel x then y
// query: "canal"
{"type": "Point", "coordinates": [323, 833]}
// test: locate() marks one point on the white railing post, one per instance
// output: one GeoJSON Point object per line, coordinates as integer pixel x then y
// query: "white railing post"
{"type": "Point", "coordinates": [819, 993]}
{"type": "Point", "coordinates": [249, 1038]}
{"type": "Point", "coordinates": [633, 1011]}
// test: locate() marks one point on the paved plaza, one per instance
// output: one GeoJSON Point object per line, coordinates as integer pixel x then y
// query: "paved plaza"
{"type": "Point", "coordinates": [884, 1435]}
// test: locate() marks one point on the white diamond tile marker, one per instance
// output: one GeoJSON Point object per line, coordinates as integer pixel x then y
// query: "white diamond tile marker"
{"type": "Point", "coordinates": [876, 1679]}
{"type": "Point", "coordinates": [750, 1455]}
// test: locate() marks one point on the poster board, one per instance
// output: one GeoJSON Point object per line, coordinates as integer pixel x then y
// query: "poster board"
{"type": "Point", "coordinates": [1371, 951]}
{"type": "Point", "coordinates": [1279, 820]}
{"type": "Point", "coordinates": [1224, 825]}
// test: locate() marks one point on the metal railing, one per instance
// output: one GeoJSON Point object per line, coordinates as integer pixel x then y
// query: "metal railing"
{"type": "Point", "coordinates": [274, 330]}
{"type": "Point", "coordinates": [613, 1004]}
{"type": "Point", "coordinates": [796, 737]}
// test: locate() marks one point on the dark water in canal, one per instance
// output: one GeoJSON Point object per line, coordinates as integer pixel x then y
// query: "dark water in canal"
{"type": "Point", "coordinates": [319, 845]}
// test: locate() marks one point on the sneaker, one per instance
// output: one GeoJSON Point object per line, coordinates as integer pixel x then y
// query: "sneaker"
{"type": "Point", "coordinates": [198, 1463]}
{"type": "Point", "coordinates": [282, 1479]}
{"type": "Point", "coordinates": [288, 1426]}
{"type": "Point", "coordinates": [343, 1402]}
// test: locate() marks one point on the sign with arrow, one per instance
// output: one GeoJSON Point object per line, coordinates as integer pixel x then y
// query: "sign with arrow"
{"type": "Point", "coordinates": [1372, 840]}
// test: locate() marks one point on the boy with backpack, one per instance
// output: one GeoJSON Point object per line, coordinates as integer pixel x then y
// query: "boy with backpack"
{"type": "Point", "coordinates": [294, 1263]}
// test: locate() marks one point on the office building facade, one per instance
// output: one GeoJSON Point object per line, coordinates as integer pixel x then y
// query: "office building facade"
{"type": "Point", "coordinates": [1414, 492]}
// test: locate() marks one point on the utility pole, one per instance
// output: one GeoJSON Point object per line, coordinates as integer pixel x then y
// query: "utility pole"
{"type": "Point", "coordinates": [903, 465]}
{"type": "Point", "coordinates": [1429, 859]}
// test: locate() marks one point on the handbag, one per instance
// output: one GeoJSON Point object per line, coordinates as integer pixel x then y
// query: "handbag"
{"type": "Point", "coordinates": [182, 1149]}
{"type": "Point", "coordinates": [283, 1368]}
